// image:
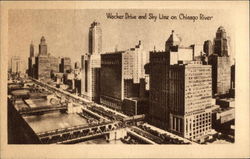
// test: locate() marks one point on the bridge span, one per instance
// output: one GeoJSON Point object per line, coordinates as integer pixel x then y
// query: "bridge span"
{"type": "Point", "coordinates": [111, 130]}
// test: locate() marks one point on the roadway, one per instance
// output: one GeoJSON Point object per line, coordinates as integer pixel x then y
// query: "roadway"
{"type": "Point", "coordinates": [89, 103]}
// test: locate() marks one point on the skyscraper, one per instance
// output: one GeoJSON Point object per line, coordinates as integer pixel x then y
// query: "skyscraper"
{"type": "Point", "coordinates": [42, 47]}
{"type": "Point", "coordinates": [220, 42]}
{"type": "Point", "coordinates": [180, 91]}
{"type": "Point", "coordinates": [95, 38]}
{"type": "Point", "coordinates": [159, 78]}
{"type": "Point", "coordinates": [221, 64]}
{"type": "Point", "coordinates": [208, 47]}
{"type": "Point", "coordinates": [42, 62]}
{"type": "Point", "coordinates": [65, 65]}
{"type": "Point", "coordinates": [122, 76]}
{"type": "Point", "coordinates": [190, 99]}
{"type": "Point", "coordinates": [91, 63]}
{"type": "Point", "coordinates": [31, 59]}
{"type": "Point", "coordinates": [32, 54]}
{"type": "Point", "coordinates": [16, 64]}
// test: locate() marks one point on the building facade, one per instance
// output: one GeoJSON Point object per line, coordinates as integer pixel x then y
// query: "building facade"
{"type": "Point", "coordinates": [190, 99]}
{"type": "Point", "coordinates": [90, 83]}
{"type": "Point", "coordinates": [221, 42]}
{"type": "Point", "coordinates": [208, 47]}
{"type": "Point", "coordinates": [122, 76]}
{"type": "Point", "coordinates": [221, 74]}
{"type": "Point", "coordinates": [31, 61]}
{"type": "Point", "coordinates": [91, 63]}
{"type": "Point", "coordinates": [17, 65]}
{"type": "Point", "coordinates": [159, 66]}
{"type": "Point", "coordinates": [44, 65]}
{"type": "Point", "coordinates": [43, 71]}
{"type": "Point", "coordinates": [95, 38]}
{"type": "Point", "coordinates": [65, 65]}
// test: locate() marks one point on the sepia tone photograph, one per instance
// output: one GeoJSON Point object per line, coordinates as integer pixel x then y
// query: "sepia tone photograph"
{"type": "Point", "coordinates": [117, 77]}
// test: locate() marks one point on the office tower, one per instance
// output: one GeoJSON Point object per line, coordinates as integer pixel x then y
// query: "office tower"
{"type": "Point", "coordinates": [42, 47]}
{"type": "Point", "coordinates": [220, 42]}
{"type": "Point", "coordinates": [54, 64]}
{"type": "Point", "coordinates": [65, 65]}
{"type": "Point", "coordinates": [31, 61]}
{"type": "Point", "coordinates": [208, 47]}
{"type": "Point", "coordinates": [95, 38]}
{"type": "Point", "coordinates": [190, 99]}
{"type": "Point", "coordinates": [221, 64]}
{"type": "Point", "coordinates": [122, 77]}
{"type": "Point", "coordinates": [90, 82]}
{"type": "Point", "coordinates": [32, 54]}
{"type": "Point", "coordinates": [43, 68]}
{"type": "Point", "coordinates": [159, 78]}
{"type": "Point", "coordinates": [91, 63]}
{"type": "Point", "coordinates": [42, 62]}
{"type": "Point", "coordinates": [16, 64]}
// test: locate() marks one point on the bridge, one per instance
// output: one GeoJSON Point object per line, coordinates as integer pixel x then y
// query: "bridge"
{"type": "Point", "coordinates": [111, 130]}
{"type": "Point", "coordinates": [74, 98]}
{"type": "Point", "coordinates": [72, 135]}
{"type": "Point", "coordinates": [62, 93]}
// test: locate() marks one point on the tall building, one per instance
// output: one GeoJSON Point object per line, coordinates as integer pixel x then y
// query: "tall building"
{"type": "Point", "coordinates": [221, 64]}
{"type": "Point", "coordinates": [43, 46]}
{"type": "Point", "coordinates": [42, 62]}
{"type": "Point", "coordinates": [159, 78]}
{"type": "Point", "coordinates": [91, 81]}
{"type": "Point", "coordinates": [43, 71]}
{"type": "Point", "coordinates": [31, 61]}
{"type": "Point", "coordinates": [43, 65]}
{"type": "Point", "coordinates": [54, 64]}
{"type": "Point", "coordinates": [190, 99]}
{"type": "Point", "coordinates": [17, 65]}
{"type": "Point", "coordinates": [122, 76]}
{"type": "Point", "coordinates": [180, 90]}
{"type": "Point", "coordinates": [95, 38]}
{"type": "Point", "coordinates": [220, 42]}
{"type": "Point", "coordinates": [208, 47]}
{"type": "Point", "coordinates": [65, 65]}
{"type": "Point", "coordinates": [91, 63]}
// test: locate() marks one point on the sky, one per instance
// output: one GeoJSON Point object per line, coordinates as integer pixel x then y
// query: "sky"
{"type": "Point", "coordinates": [66, 30]}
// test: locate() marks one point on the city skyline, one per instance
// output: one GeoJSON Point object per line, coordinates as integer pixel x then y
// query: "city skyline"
{"type": "Point", "coordinates": [60, 44]}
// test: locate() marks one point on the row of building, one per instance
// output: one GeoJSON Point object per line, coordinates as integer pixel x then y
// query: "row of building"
{"type": "Point", "coordinates": [173, 88]}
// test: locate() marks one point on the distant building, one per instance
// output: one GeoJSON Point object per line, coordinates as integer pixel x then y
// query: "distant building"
{"type": "Point", "coordinates": [65, 65]}
{"type": "Point", "coordinates": [91, 63]}
{"type": "Point", "coordinates": [221, 74]}
{"type": "Point", "coordinates": [122, 76]}
{"type": "Point", "coordinates": [43, 47]}
{"type": "Point", "coordinates": [45, 64]}
{"type": "Point", "coordinates": [95, 38]}
{"type": "Point", "coordinates": [54, 64]}
{"type": "Point", "coordinates": [190, 99]}
{"type": "Point", "coordinates": [221, 64]}
{"type": "Point", "coordinates": [43, 67]}
{"type": "Point", "coordinates": [221, 42]}
{"type": "Point", "coordinates": [31, 61]}
{"type": "Point", "coordinates": [17, 65]}
{"type": "Point", "coordinates": [77, 65]}
{"type": "Point", "coordinates": [208, 47]}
